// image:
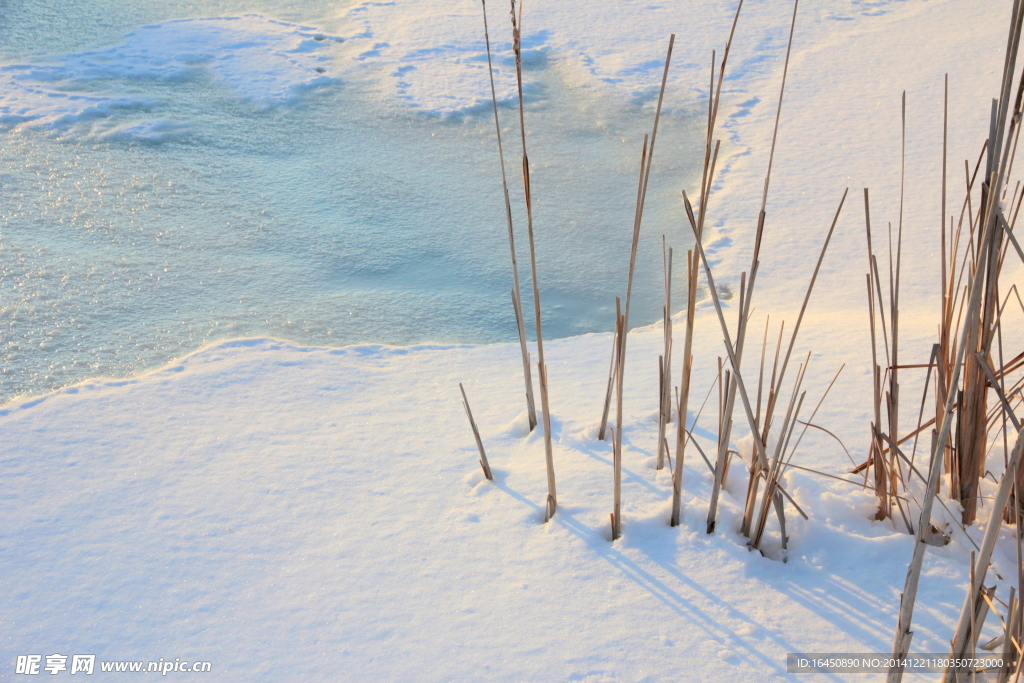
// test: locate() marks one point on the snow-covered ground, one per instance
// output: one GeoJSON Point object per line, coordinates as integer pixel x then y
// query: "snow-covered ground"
{"type": "Point", "coordinates": [309, 513]}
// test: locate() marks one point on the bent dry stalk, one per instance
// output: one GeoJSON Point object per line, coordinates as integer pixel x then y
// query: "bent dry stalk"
{"type": "Point", "coordinates": [476, 434]}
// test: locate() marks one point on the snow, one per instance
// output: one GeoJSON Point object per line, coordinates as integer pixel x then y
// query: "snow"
{"type": "Point", "coordinates": [310, 513]}
{"type": "Point", "coordinates": [435, 56]}
{"type": "Point", "coordinates": [261, 59]}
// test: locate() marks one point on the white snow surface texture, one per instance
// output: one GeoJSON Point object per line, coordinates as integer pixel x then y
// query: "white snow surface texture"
{"type": "Point", "coordinates": [318, 514]}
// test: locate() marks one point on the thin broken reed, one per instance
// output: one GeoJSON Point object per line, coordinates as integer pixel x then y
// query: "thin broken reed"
{"type": "Point", "coordinates": [476, 434]}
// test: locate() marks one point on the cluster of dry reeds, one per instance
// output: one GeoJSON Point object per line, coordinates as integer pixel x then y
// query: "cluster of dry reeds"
{"type": "Point", "coordinates": [975, 384]}
{"type": "Point", "coordinates": [766, 465]}
{"type": "Point", "coordinates": [765, 491]}
{"type": "Point", "coordinates": [969, 370]}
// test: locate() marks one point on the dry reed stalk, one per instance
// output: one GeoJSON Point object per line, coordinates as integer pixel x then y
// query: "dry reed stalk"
{"type": "Point", "coordinates": [725, 466]}
{"type": "Point", "coordinates": [632, 262]}
{"type": "Point", "coordinates": [967, 459]}
{"type": "Point", "coordinates": [834, 437]}
{"type": "Point", "coordinates": [517, 305]}
{"type": "Point", "coordinates": [1018, 632]}
{"type": "Point", "coordinates": [943, 330]}
{"type": "Point", "coordinates": [1017, 505]}
{"type": "Point", "coordinates": [773, 390]}
{"type": "Point", "coordinates": [697, 223]}
{"type": "Point", "coordinates": [662, 381]}
{"type": "Point", "coordinates": [760, 451]}
{"type": "Point", "coordinates": [901, 641]}
{"type": "Point", "coordinates": [620, 357]}
{"type": "Point", "coordinates": [723, 381]}
{"type": "Point", "coordinates": [1010, 634]}
{"type": "Point", "coordinates": [721, 384]}
{"type": "Point", "coordinates": [997, 386]}
{"type": "Point", "coordinates": [876, 451]}
{"type": "Point", "coordinates": [665, 362]}
{"type": "Point", "coordinates": [476, 434]}
{"type": "Point", "coordinates": [551, 504]}
{"type": "Point", "coordinates": [760, 372]}
{"type": "Point", "coordinates": [932, 360]}
{"type": "Point", "coordinates": [826, 474]}
{"type": "Point", "coordinates": [1008, 233]}
{"type": "Point", "coordinates": [892, 396]}
{"type": "Point", "coordinates": [646, 157]}
{"type": "Point", "coordinates": [684, 392]}
{"type": "Point", "coordinates": [611, 384]}
{"type": "Point", "coordinates": [999, 334]}
{"type": "Point", "coordinates": [713, 101]}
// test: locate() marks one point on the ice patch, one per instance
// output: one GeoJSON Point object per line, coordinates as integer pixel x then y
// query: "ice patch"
{"type": "Point", "coordinates": [263, 60]}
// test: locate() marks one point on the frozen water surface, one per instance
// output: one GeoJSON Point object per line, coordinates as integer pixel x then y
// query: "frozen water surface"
{"type": "Point", "coordinates": [168, 183]}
